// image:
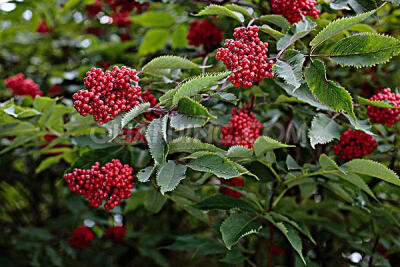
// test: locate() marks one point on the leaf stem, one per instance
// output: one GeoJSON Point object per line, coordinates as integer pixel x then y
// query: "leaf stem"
{"type": "Point", "coordinates": [288, 181]}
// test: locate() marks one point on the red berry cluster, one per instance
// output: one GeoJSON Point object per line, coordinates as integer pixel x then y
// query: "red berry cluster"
{"type": "Point", "coordinates": [94, 8]}
{"type": "Point", "coordinates": [116, 233]}
{"type": "Point", "coordinates": [108, 93]}
{"type": "Point", "coordinates": [243, 129]}
{"type": "Point", "coordinates": [133, 135]}
{"type": "Point", "coordinates": [236, 182]}
{"type": "Point", "coordinates": [55, 90]}
{"type": "Point", "coordinates": [293, 9]}
{"type": "Point", "coordinates": [147, 96]}
{"type": "Point", "coordinates": [21, 86]}
{"type": "Point", "coordinates": [386, 116]}
{"type": "Point", "coordinates": [43, 28]}
{"type": "Point", "coordinates": [81, 237]}
{"type": "Point", "coordinates": [204, 33]}
{"type": "Point", "coordinates": [354, 144]}
{"type": "Point", "coordinates": [111, 183]}
{"type": "Point", "coordinates": [122, 10]}
{"type": "Point", "coordinates": [246, 57]}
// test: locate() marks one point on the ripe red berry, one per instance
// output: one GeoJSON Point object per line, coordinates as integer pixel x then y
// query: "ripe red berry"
{"type": "Point", "coordinates": [55, 90]}
{"type": "Point", "coordinates": [116, 233]}
{"type": "Point", "coordinates": [293, 9]}
{"type": "Point", "coordinates": [236, 182]}
{"type": "Point", "coordinates": [354, 144]}
{"type": "Point", "coordinates": [43, 28]}
{"type": "Point", "coordinates": [147, 96]}
{"type": "Point", "coordinates": [121, 18]}
{"type": "Point", "coordinates": [133, 135]}
{"type": "Point", "coordinates": [204, 33]}
{"type": "Point", "coordinates": [94, 8]}
{"type": "Point", "coordinates": [243, 129]}
{"type": "Point", "coordinates": [21, 86]}
{"type": "Point", "coordinates": [109, 183]}
{"type": "Point", "coordinates": [108, 93]}
{"type": "Point", "coordinates": [246, 57]}
{"type": "Point", "coordinates": [81, 237]}
{"type": "Point", "coordinates": [384, 116]}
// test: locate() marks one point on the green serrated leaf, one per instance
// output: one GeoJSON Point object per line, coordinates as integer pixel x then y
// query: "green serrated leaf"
{"type": "Point", "coordinates": [180, 122]}
{"type": "Point", "coordinates": [375, 103]}
{"type": "Point", "coordinates": [290, 68]}
{"type": "Point", "coordinates": [221, 11]}
{"type": "Point", "coordinates": [264, 144]}
{"type": "Point", "coordinates": [189, 145]}
{"type": "Point", "coordinates": [179, 36]}
{"type": "Point", "coordinates": [292, 164]}
{"type": "Point", "coordinates": [374, 169]}
{"type": "Point", "coordinates": [154, 19]}
{"type": "Point", "coordinates": [153, 41]}
{"type": "Point", "coordinates": [169, 62]}
{"type": "Point", "coordinates": [277, 20]}
{"type": "Point", "coordinates": [215, 164]}
{"type": "Point", "coordinates": [292, 237]}
{"type": "Point", "coordinates": [326, 91]}
{"type": "Point", "coordinates": [170, 175]}
{"type": "Point", "coordinates": [156, 139]}
{"type": "Point", "coordinates": [357, 181]}
{"type": "Point", "coordinates": [237, 226]}
{"type": "Point", "coordinates": [133, 113]}
{"type": "Point", "coordinates": [337, 26]}
{"type": "Point", "coordinates": [248, 12]}
{"type": "Point", "coordinates": [273, 33]}
{"type": "Point", "coordinates": [224, 202]}
{"type": "Point", "coordinates": [192, 108]}
{"type": "Point", "coordinates": [154, 200]}
{"type": "Point", "coordinates": [196, 84]}
{"type": "Point", "coordinates": [144, 174]}
{"type": "Point", "coordinates": [297, 31]}
{"type": "Point", "coordinates": [46, 163]}
{"type": "Point", "coordinates": [365, 49]}
{"type": "Point", "coordinates": [323, 130]}
{"type": "Point", "coordinates": [328, 164]}
{"type": "Point", "coordinates": [239, 152]}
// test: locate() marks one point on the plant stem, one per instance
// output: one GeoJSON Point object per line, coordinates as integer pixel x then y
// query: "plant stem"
{"type": "Point", "coordinates": [288, 181]}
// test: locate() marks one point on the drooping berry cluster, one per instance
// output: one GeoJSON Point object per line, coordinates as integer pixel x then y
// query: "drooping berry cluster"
{"type": "Point", "coordinates": [110, 183]}
{"type": "Point", "coordinates": [21, 86]}
{"type": "Point", "coordinates": [384, 116]}
{"type": "Point", "coordinates": [246, 57]}
{"type": "Point", "coordinates": [293, 9]}
{"type": "Point", "coordinates": [243, 129]}
{"type": "Point", "coordinates": [95, 8]}
{"type": "Point", "coordinates": [43, 28]}
{"type": "Point", "coordinates": [133, 135]}
{"type": "Point", "coordinates": [81, 237]}
{"type": "Point", "coordinates": [108, 93]}
{"type": "Point", "coordinates": [236, 182]}
{"type": "Point", "coordinates": [204, 33]}
{"type": "Point", "coordinates": [354, 144]}
{"type": "Point", "coordinates": [116, 233]}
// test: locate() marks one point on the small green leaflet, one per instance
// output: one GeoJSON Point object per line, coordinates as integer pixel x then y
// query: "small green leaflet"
{"type": "Point", "coordinates": [144, 174]}
{"type": "Point", "coordinates": [237, 226]}
{"type": "Point", "coordinates": [180, 122]}
{"type": "Point", "coordinates": [192, 108]}
{"type": "Point", "coordinates": [224, 202]}
{"type": "Point", "coordinates": [133, 113]}
{"type": "Point", "coordinates": [292, 237]}
{"type": "Point", "coordinates": [273, 33]}
{"type": "Point", "coordinates": [264, 144]}
{"type": "Point", "coordinates": [380, 104]}
{"type": "Point", "coordinates": [153, 19]}
{"type": "Point", "coordinates": [247, 11]}
{"type": "Point", "coordinates": [170, 175]}
{"type": "Point", "coordinates": [215, 164]}
{"type": "Point", "coordinates": [323, 130]}
{"type": "Point", "coordinates": [190, 145]}
{"type": "Point", "coordinates": [297, 31]}
{"type": "Point", "coordinates": [277, 20]}
{"type": "Point", "coordinates": [326, 91]}
{"type": "Point", "coordinates": [169, 62]}
{"type": "Point", "coordinates": [222, 11]}
{"type": "Point", "coordinates": [290, 68]}
{"type": "Point", "coordinates": [156, 138]}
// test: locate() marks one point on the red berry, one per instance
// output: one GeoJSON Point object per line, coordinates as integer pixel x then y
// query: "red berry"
{"type": "Point", "coordinates": [384, 116]}
{"type": "Point", "coordinates": [109, 183]}
{"type": "Point", "coordinates": [55, 90]}
{"type": "Point", "coordinates": [293, 9]}
{"type": "Point", "coordinates": [108, 93]}
{"type": "Point", "coordinates": [133, 135]}
{"type": "Point", "coordinates": [81, 237]}
{"type": "Point", "coordinates": [43, 28]}
{"type": "Point", "coordinates": [243, 129]}
{"type": "Point", "coordinates": [94, 8]}
{"type": "Point", "coordinates": [204, 33]}
{"type": "Point", "coordinates": [354, 144]}
{"type": "Point", "coordinates": [147, 96]}
{"type": "Point", "coordinates": [21, 86]}
{"type": "Point", "coordinates": [116, 233]}
{"type": "Point", "coordinates": [236, 182]}
{"type": "Point", "coordinates": [246, 57]}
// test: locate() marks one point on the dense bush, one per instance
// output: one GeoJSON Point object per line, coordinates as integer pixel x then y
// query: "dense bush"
{"type": "Point", "coordinates": [250, 133]}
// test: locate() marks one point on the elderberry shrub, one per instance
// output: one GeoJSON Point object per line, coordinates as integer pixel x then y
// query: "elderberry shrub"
{"type": "Point", "coordinates": [354, 144]}
{"type": "Point", "coordinates": [109, 183]}
{"type": "Point", "coordinates": [81, 237]}
{"type": "Point", "coordinates": [204, 33]}
{"type": "Point", "coordinates": [246, 57]}
{"type": "Point", "coordinates": [108, 93]}
{"type": "Point", "coordinates": [115, 233]}
{"type": "Point", "coordinates": [23, 86]}
{"type": "Point", "coordinates": [384, 116]}
{"type": "Point", "coordinates": [243, 129]}
{"type": "Point", "coordinates": [236, 182]}
{"type": "Point", "coordinates": [293, 9]}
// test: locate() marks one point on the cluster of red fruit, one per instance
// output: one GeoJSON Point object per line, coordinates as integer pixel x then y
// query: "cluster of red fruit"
{"type": "Point", "coordinates": [384, 116]}
{"type": "Point", "coordinates": [108, 93]}
{"type": "Point", "coordinates": [110, 183]}
{"type": "Point", "coordinates": [243, 129]}
{"type": "Point", "coordinates": [354, 144]}
{"type": "Point", "coordinates": [121, 10]}
{"type": "Point", "coordinates": [23, 86]}
{"type": "Point", "coordinates": [246, 57]}
{"type": "Point", "coordinates": [293, 9]}
{"type": "Point", "coordinates": [43, 28]}
{"type": "Point", "coordinates": [236, 182]}
{"type": "Point", "coordinates": [204, 33]}
{"type": "Point", "coordinates": [82, 236]}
